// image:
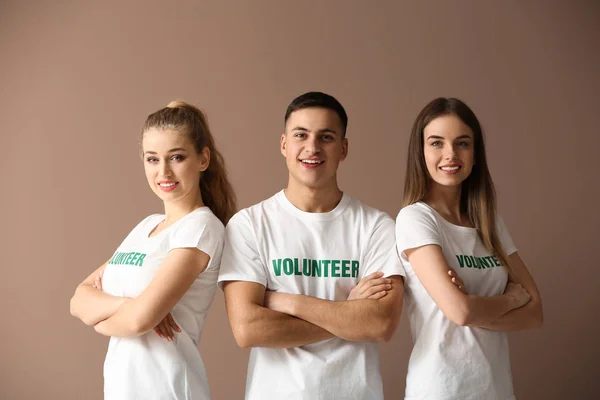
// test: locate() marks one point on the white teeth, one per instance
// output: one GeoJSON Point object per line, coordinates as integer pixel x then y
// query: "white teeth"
{"type": "Point", "coordinates": [450, 168]}
{"type": "Point", "coordinates": [166, 184]}
{"type": "Point", "coordinates": [311, 161]}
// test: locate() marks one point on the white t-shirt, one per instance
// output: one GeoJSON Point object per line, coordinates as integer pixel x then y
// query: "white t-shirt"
{"type": "Point", "coordinates": [323, 255]}
{"type": "Point", "coordinates": [449, 361]}
{"type": "Point", "coordinates": [149, 367]}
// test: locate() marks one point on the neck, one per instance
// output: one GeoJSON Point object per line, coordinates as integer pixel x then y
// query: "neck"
{"type": "Point", "coordinates": [313, 200]}
{"type": "Point", "coordinates": [445, 200]}
{"type": "Point", "coordinates": [174, 210]}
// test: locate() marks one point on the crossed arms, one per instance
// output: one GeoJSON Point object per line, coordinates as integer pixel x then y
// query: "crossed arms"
{"type": "Point", "coordinates": [261, 318]}
{"type": "Point", "coordinates": [520, 307]}
{"type": "Point", "coordinates": [125, 317]}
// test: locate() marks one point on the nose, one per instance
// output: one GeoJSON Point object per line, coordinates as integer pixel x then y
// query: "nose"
{"type": "Point", "coordinates": [165, 169]}
{"type": "Point", "coordinates": [312, 145]}
{"type": "Point", "coordinates": [449, 153]}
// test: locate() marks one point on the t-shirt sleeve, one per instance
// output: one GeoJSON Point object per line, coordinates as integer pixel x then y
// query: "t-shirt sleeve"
{"type": "Point", "coordinates": [241, 260]}
{"type": "Point", "coordinates": [415, 228]}
{"type": "Point", "coordinates": [202, 231]}
{"type": "Point", "coordinates": [504, 236]}
{"type": "Point", "coordinates": [381, 254]}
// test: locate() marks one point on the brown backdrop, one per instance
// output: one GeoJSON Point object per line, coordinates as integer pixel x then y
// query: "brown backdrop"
{"type": "Point", "coordinates": [78, 80]}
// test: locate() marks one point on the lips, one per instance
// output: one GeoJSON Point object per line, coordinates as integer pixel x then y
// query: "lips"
{"type": "Point", "coordinates": [167, 186]}
{"type": "Point", "coordinates": [312, 163]}
{"type": "Point", "coordinates": [450, 169]}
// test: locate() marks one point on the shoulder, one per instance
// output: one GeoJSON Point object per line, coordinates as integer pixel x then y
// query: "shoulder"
{"type": "Point", "coordinates": [416, 212]}
{"type": "Point", "coordinates": [256, 212]}
{"type": "Point", "coordinates": [201, 219]}
{"type": "Point", "coordinates": [369, 217]}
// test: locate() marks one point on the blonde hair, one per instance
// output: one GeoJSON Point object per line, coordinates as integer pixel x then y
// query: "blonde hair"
{"type": "Point", "coordinates": [215, 188]}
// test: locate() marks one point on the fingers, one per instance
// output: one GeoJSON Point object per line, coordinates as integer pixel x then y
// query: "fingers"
{"type": "Point", "coordinates": [377, 295]}
{"type": "Point", "coordinates": [165, 331]}
{"type": "Point", "coordinates": [375, 289]}
{"type": "Point", "coordinates": [172, 323]}
{"type": "Point", "coordinates": [374, 282]}
{"type": "Point", "coordinates": [369, 278]}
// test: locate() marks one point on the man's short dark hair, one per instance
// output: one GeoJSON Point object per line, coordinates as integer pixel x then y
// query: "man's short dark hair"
{"type": "Point", "coordinates": [319, 100]}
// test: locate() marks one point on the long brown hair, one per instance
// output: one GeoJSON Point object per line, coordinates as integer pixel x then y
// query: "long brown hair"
{"type": "Point", "coordinates": [478, 196]}
{"type": "Point", "coordinates": [215, 188]}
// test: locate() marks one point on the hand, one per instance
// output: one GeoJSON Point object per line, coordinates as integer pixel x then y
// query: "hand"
{"type": "Point", "coordinates": [518, 294]}
{"type": "Point", "coordinates": [165, 328]}
{"type": "Point", "coordinates": [98, 282]}
{"type": "Point", "coordinates": [457, 281]}
{"type": "Point", "coordinates": [371, 287]}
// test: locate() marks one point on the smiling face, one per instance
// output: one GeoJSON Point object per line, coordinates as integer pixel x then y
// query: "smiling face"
{"type": "Point", "coordinates": [172, 164]}
{"type": "Point", "coordinates": [448, 150]}
{"type": "Point", "coordinates": [313, 146]}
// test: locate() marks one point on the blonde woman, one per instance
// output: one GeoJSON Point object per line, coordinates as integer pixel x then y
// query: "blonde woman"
{"type": "Point", "coordinates": [152, 296]}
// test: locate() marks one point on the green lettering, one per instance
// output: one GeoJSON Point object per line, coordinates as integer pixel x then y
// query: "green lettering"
{"type": "Point", "coordinates": [296, 269]}
{"type": "Point", "coordinates": [484, 263]}
{"type": "Point", "coordinates": [461, 261]}
{"type": "Point", "coordinates": [306, 267]}
{"type": "Point", "coordinates": [345, 268]}
{"type": "Point", "coordinates": [468, 262]}
{"type": "Point", "coordinates": [496, 261]}
{"type": "Point", "coordinates": [335, 268]}
{"type": "Point", "coordinates": [140, 260]}
{"type": "Point", "coordinates": [277, 267]}
{"type": "Point", "coordinates": [316, 268]}
{"type": "Point", "coordinates": [326, 267]}
{"type": "Point", "coordinates": [354, 268]}
{"type": "Point", "coordinates": [129, 257]}
{"type": "Point", "coordinates": [121, 258]}
{"type": "Point", "coordinates": [288, 266]}
{"type": "Point", "coordinates": [135, 257]}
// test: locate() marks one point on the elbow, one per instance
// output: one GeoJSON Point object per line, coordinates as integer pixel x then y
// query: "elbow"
{"type": "Point", "coordinates": [538, 318]}
{"type": "Point", "coordinates": [76, 312]}
{"type": "Point", "coordinates": [385, 334]}
{"type": "Point", "coordinates": [243, 336]}
{"type": "Point", "coordinates": [385, 329]}
{"type": "Point", "coordinates": [459, 316]}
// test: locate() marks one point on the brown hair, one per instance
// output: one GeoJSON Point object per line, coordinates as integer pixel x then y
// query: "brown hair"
{"type": "Point", "coordinates": [215, 188]}
{"type": "Point", "coordinates": [478, 196]}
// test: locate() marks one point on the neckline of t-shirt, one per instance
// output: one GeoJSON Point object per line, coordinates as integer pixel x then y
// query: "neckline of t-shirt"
{"type": "Point", "coordinates": [445, 221]}
{"type": "Point", "coordinates": [326, 216]}
{"type": "Point", "coordinates": [162, 218]}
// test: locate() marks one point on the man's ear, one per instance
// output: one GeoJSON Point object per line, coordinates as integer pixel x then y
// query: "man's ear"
{"type": "Point", "coordinates": [344, 149]}
{"type": "Point", "coordinates": [283, 144]}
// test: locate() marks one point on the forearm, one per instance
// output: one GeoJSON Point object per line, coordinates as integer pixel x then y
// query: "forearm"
{"type": "Point", "coordinates": [118, 326]}
{"type": "Point", "coordinates": [527, 317]}
{"type": "Point", "coordinates": [262, 327]}
{"type": "Point", "coordinates": [361, 320]}
{"type": "Point", "coordinates": [133, 318]}
{"type": "Point", "coordinates": [91, 305]}
{"type": "Point", "coordinates": [481, 310]}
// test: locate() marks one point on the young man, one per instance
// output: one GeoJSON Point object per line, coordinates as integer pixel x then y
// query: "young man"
{"type": "Point", "coordinates": [311, 276]}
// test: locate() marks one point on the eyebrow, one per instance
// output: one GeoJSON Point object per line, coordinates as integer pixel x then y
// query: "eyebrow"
{"type": "Point", "coordinates": [324, 130]}
{"type": "Point", "coordinates": [443, 138]}
{"type": "Point", "coordinates": [170, 151]}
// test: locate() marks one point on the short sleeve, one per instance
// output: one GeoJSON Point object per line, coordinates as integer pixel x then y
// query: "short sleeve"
{"type": "Point", "coordinates": [381, 254]}
{"type": "Point", "coordinates": [202, 231]}
{"type": "Point", "coordinates": [415, 227]}
{"type": "Point", "coordinates": [241, 261]}
{"type": "Point", "coordinates": [504, 236]}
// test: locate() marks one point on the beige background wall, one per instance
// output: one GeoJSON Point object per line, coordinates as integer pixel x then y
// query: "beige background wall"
{"type": "Point", "coordinates": [77, 81]}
